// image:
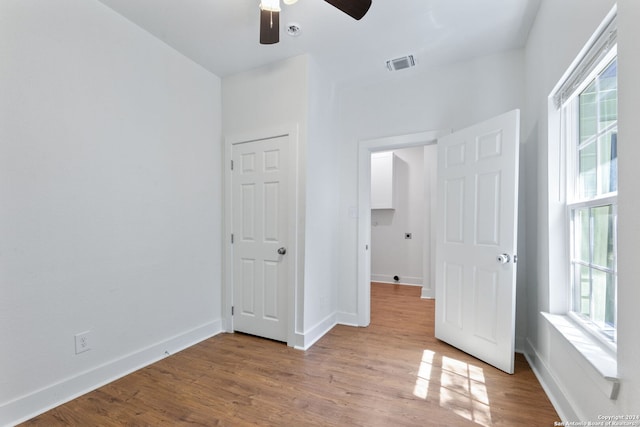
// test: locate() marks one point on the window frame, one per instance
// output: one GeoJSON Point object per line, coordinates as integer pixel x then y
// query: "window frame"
{"type": "Point", "coordinates": [569, 145]}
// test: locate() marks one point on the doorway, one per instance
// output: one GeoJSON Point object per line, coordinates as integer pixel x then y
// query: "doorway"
{"type": "Point", "coordinates": [365, 149]}
{"type": "Point", "coordinates": [403, 191]}
{"type": "Point", "coordinates": [476, 235]}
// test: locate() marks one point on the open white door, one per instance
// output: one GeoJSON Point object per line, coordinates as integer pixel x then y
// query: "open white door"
{"type": "Point", "coordinates": [476, 239]}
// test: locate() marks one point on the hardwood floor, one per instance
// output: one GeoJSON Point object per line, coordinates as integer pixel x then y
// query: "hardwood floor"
{"type": "Point", "coordinates": [393, 373]}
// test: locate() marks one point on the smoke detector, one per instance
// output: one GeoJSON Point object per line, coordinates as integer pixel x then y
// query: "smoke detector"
{"type": "Point", "coordinates": [401, 63]}
{"type": "Point", "coordinates": [293, 29]}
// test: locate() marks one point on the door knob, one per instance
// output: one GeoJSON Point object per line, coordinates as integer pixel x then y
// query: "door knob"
{"type": "Point", "coordinates": [503, 258]}
{"type": "Point", "coordinates": [282, 251]}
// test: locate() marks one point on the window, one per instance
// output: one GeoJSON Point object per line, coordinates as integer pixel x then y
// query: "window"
{"type": "Point", "coordinates": [590, 118]}
{"type": "Point", "coordinates": [582, 173]}
{"type": "Point", "coordinates": [586, 114]}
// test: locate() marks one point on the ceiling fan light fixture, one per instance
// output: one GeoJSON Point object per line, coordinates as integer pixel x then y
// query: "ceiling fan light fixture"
{"type": "Point", "coordinates": [289, 2]}
{"type": "Point", "coordinates": [270, 5]}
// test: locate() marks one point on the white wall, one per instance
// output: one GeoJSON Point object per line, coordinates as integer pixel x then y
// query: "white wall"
{"type": "Point", "coordinates": [450, 97]}
{"type": "Point", "coordinates": [111, 193]}
{"type": "Point", "coordinates": [322, 202]}
{"type": "Point", "coordinates": [629, 204]}
{"type": "Point", "coordinates": [573, 389]}
{"type": "Point", "coordinates": [391, 253]}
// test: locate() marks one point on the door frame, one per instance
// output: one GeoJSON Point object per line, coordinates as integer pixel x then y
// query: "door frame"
{"type": "Point", "coordinates": [365, 148]}
{"type": "Point", "coordinates": [295, 235]}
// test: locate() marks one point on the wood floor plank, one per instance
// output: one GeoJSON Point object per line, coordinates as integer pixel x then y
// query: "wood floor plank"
{"type": "Point", "coordinates": [392, 373]}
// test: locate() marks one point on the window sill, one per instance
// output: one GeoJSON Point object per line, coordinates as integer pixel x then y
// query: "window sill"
{"type": "Point", "coordinates": [594, 352]}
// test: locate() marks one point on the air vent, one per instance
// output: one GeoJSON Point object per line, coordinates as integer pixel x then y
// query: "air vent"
{"type": "Point", "coordinates": [401, 63]}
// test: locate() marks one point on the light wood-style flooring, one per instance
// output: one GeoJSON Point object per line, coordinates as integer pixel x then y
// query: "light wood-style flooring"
{"type": "Point", "coordinates": [393, 373]}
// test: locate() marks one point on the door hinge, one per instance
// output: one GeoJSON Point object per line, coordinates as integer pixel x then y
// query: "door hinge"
{"type": "Point", "coordinates": [232, 310]}
{"type": "Point", "coordinates": [231, 164]}
{"type": "Point", "coordinates": [232, 238]}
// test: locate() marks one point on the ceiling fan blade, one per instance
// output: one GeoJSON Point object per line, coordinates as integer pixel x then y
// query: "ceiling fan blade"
{"type": "Point", "coordinates": [269, 27]}
{"type": "Point", "coordinates": [354, 8]}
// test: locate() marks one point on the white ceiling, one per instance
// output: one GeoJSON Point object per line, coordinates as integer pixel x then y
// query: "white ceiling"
{"type": "Point", "coordinates": [222, 35]}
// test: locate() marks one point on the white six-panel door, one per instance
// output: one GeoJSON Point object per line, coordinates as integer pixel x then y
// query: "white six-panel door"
{"type": "Point", "coordinates": [476, 239]}
{"type": "Point", "coordinates": [259, 223]}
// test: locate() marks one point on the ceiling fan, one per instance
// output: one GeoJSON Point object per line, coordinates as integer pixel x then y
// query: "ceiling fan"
{"type": "Point", "coordinates": [270, 15]}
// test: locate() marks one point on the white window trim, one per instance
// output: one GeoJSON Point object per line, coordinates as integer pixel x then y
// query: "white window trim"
{"type": "Point", "coordinates": [594, 332]}
{"type": "Point", "coordinates": [591, 345]}
{"type": "Point", "coordinates": [603, 365]}
{"type": "Point", "coordinates": [607, 199]}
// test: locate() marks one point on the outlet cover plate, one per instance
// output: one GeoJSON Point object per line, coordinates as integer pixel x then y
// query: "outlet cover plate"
{"type": "Point", "coordinates": [82, 342]}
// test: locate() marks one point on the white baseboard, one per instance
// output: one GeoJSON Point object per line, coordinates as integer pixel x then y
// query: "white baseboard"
{"type": "Point", "coordinates": [348, 319]}
{"type": "Point", "coordinates": [40, 401]}
{"type": "Point", "coordinates": [549, 383]}
{"type": "Point", "coordinates": [306, 340]}
{"type": "Point", "coordinates": [404, 280]}
{"type": "Point", "coordinates": [427, 293]}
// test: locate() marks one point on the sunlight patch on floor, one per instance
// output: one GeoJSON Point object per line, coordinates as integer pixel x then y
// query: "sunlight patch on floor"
{"type": "Point", "coordinates": [463, 390]}
{"type": "Point", "coordinates": [462, 387]}
{"type": "Point", "coordinates": [421, 388]}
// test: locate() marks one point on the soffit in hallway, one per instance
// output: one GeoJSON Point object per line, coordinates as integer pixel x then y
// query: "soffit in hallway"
{"type": "Point", "coordinates": [222, 35]}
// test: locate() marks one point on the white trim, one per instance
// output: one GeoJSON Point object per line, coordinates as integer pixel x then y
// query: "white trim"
{"type": "Point", "coordinates": [309, 338]}
{"type": "Point", "coordinates": [427, 293]}
{"type": "Point", "coordinates": [296, 236]}
{"type": "Point", "coordinates": [602, 365]}
{"type": "Point", "coordinates": [558, 230]}
{"type": "Point", "coordinates": [404, 280]}
{"type": "Point", "coordinates": [430, 179]}
{"type": "Point", "coordinates": [594, 331]}
{"type": "Point", "coordinates": [40, 401]}
{"type": "Point", "coordinates": [557, 94]}
{"type": "Point", "coordinates": [549, 383]}
{"type": "Point", "coordinates": [348, 319]}
{"type": "Point", "coordinates": [562, 161]}
{"type": "Point", "coordinates": [608, 199]}
{"type": "Point", "coordinates": [365, 148]}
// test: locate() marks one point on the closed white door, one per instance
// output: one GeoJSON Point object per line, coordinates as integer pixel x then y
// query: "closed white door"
{"type": "Point", "coordinates": [259, 224]}
{"type": "Point", "coordinates": [476, 239]}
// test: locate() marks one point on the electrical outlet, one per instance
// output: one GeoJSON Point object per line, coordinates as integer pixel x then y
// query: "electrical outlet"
{"type": "Point", "coordinates": [82, 342]}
